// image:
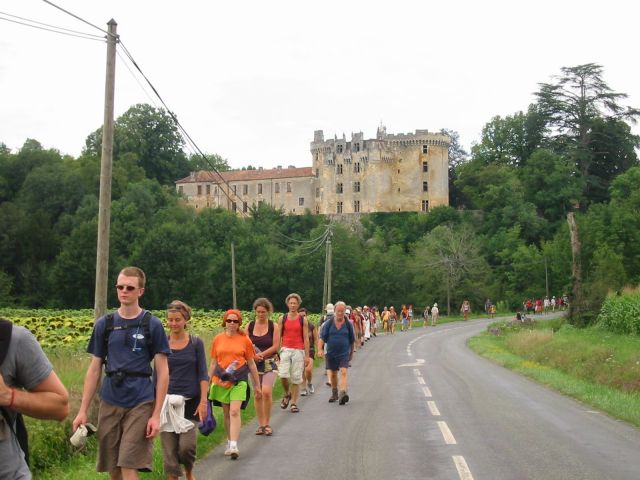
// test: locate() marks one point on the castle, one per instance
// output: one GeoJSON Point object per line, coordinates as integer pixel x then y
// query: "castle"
{"type": "Point", "coordinates": [390, 173]}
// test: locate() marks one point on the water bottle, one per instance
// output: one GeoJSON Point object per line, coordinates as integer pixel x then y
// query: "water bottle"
{"type": "Point", "coordinates": [232, 367]}
{"type": "Point", "coordinates": [257, 349]}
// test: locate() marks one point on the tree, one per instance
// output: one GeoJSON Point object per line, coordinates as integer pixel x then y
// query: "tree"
{"type": "Point", "coordinates": [457, 156]}
{"type": "Point", "coordinates": [210, 161]}
{"type": "Point", "coordinates": [573, 104]}
{"type": "Point", "coordinates": [452, 257]}
{"type": "Point", "coordinates": [153, 135]}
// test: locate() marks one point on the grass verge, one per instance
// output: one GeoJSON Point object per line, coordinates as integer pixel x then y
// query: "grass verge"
{"type": "Point", "coordinates": [598, 368]}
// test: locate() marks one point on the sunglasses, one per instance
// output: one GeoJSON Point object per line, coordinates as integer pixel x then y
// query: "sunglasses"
{"type": "Point", "coordinates": [128, 288]}
{"type": "Point", "coordinates": [229, 320]}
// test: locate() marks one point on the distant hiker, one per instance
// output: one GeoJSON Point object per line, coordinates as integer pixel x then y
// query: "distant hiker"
{"type": "Point", "coordinates": [340, 339]}
{"type": "Point", "coordinates": [294, 349]}
{"type": "Point", "coordinates": [435, 314]}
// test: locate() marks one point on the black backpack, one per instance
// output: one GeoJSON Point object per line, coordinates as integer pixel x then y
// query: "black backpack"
{"type": "Point", "coordinates": [144, 324]}
{"type": "Point", "coordinates": [20, 430]}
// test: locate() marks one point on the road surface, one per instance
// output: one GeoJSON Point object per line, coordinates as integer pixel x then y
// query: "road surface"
{"type": "Point", "coordinates": [423, 406]}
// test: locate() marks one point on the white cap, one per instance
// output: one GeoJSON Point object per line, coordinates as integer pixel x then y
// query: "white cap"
{"type": "Point", "coordinates": [435, 304]}
{"type": "Point", "coordinates": [330, 308]}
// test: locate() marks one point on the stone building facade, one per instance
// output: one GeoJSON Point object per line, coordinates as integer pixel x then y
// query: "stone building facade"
{"type": "Point", "coordinates": [391, 173]}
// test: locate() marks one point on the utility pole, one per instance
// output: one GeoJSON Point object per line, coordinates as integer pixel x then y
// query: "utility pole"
{"type": "Point", "coordinates": [106, 161]}
{"type": "Point", "coordinates": [324, 286]}
{"type": "Point", "coordinates": [546, 277]}
{"type": "Point", "coordinates": [329, 267]}
{"type": "Point", "coordinates": [233, 274]}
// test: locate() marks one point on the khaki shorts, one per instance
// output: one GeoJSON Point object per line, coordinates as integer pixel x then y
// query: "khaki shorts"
{"type": "Point", "coordinates": [178, 449]}
{"type": "Point", "coordinates": [122, 441]}
{"type": "Point", "coordinates": [291, 364]}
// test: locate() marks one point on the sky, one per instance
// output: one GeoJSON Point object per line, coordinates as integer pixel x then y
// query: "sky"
{"type": "Point", "coordinates": [252, 80]}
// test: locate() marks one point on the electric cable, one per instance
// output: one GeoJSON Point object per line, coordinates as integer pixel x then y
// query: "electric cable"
{"type": "Point", "coordinates": [78, 18]}
{"type": "Point", "coordinates": [53, 31]}
{"type": "Point", "coordinates": [101, 37]}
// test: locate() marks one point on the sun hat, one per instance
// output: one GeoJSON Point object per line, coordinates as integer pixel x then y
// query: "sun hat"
{"type": "Point", "coordinates": [330, 308]}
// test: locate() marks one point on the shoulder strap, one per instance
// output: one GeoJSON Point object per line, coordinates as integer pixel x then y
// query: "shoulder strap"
{"type": "Point", "coordinates": [145, 323]}
{"type": "Point", "coordinates": [250, 327]}
{"type": "Point", "coordinates": [271, 328]}
{"type": "Point", "coordinates": [6, 327]}
{"type": "Point", "coordinates": [108, 328]}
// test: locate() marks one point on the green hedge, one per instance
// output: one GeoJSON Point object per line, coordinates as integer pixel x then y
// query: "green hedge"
{"type": "Point", "coordinates": [621, 313]}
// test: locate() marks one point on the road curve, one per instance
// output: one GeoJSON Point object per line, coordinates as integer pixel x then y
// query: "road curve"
{"type": "Point", "coordinates": [423, 406]}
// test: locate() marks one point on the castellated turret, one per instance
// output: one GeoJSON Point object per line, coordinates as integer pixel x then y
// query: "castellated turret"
{"type": "Point", "coordinates": [391, 173]}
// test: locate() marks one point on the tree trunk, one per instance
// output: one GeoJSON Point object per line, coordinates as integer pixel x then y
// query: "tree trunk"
{"type": "Point", "coordinates": [575, 302]}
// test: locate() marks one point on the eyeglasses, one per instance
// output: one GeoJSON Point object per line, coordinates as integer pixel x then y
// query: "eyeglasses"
{"type": "Point", "coordinates": [229, 320]}
{"type": "Point", "coordinates": [128, 288]}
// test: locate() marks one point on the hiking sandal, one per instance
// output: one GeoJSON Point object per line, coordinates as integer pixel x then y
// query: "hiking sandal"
{"type": "Point", "coordinates": [285, 401]}
{"type": "Point", "coordinates": [260, 431]}
{"type": "Point", "coordinates": [268, 431]}
{"type": "Point", "coordinates": [294, 408]}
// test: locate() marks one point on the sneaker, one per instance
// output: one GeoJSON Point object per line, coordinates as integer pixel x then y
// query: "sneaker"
{"type": "Point", "coordinates": [334, 396]}
{"type": "Point", "coordinates": [311, 389]}
{"type": "Point", "coordinates": [343, 398]}
{"type": "Point", "coordinates": [234, 453]}
{"type": "Point", "coordinates": [227, 452]}
{"type": "Point", "coordinates": [304, 392]}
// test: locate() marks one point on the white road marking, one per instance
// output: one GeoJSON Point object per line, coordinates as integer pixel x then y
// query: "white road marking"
{"type": "Point", "coordinates": [426, 391]}
{"type": "Point", "coordinates": [417, 372]}
{"type": "Point", "coordinates": [421, 381]}
{"type": "Point", "coordinates": [433, 408]}
{"type": "Point", "coordinates": [418, 363]}
{"type": "Point", "coordinates": [446, 433]}
{"type": "Point", "coordinates": [462, 467]}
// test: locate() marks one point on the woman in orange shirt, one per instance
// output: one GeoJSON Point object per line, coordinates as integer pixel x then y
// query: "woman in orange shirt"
{"type": "Point", "coordinates": [232, 356]}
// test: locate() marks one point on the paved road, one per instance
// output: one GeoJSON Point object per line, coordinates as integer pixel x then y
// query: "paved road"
{"type": "Point", "coordinates": [455, 416]}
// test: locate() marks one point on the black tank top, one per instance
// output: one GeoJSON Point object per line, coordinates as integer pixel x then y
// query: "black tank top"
{"type": "Point", "coordinates": [263, 342]}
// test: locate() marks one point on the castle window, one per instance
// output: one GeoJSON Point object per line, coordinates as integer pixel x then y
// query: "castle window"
{"type": "Point", "coordinates": [356, 167]}
{"type": "Point", "coordinates": [234, 207]}
{"type": "Point", "coordinates": [425, 167]}
{"type": "Point", "coordinates": [356, 206]}
{"type": "Point", "coordinates": [208, 188]}
{"type": "Point", "coordinates": [260, 202]}
{"type": "Point", "coordinates": [289, 187]}
{"type": "Point", "coordinates": [339, 207]}
{"type": "Point", "coordinates": [259, 189]}
{"type": "Point", "coordinates": [245, 189]}
{"type": "Point", "coordinates": [356, 187]}
{"type": "Point", "coordinates": [357, 146]}
{"type": "Point", "coordinates": [234, 189]}
{"type": "Point", "coordinates": [244, 207]}
{"type": "Point", "coordinates": [425, 186]}
{"type": "Point", "coordinates": [277, 188]}
{"type": "Point", "coordinates": [425, 205]}
{"type": "Point", "coordinates": [425, 148]}
{"type": "Point", "coordinates": [199, 190]}
{"type": "Point", "coordinates": [317, 173]}
{"type": "Point", "coordinates": [317, 209]}
{"type": "Point", "coordinates": [339, 149]}
{"type": "Point", "coordinates": [180, 189]}
{"type": "Point", "coordinates": [317, 192]}
{"type": "Point", "coordinates": [338, 188]}
{"type": "Point", "coordinates": [301, 201]}
{"type": "Point", "coordinates": [339, 169]}
{"type": "Point", "coordinates": [215, 190]}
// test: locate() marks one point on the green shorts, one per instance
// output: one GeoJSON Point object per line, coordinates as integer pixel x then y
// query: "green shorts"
{"type": "Point", "coordinates": [227, 395]}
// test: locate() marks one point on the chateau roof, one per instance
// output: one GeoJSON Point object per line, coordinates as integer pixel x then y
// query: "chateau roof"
{"type": "Point", "coordinates": [203, 176]}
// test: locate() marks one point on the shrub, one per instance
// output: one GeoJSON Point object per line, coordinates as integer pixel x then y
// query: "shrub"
{"type": "Point", "coordinates": [621, 313]}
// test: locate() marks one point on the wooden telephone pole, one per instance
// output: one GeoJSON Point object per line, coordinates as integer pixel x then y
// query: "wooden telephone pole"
{"type": "Point", "coordinates": [106, 161]}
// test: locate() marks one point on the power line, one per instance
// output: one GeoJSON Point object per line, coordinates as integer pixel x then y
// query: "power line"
{"type": "Point", "coordinates": [77, 17]}
{"type": "Point", "coordinates": [52, 26]}
{"type": "Point", "coordinates": [54, 31]}
{"type": "Point", "coordinates": [184, 132]}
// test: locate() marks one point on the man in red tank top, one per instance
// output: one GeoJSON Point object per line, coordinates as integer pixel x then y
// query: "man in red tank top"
{"type": "Point", "coordinates": [294, 341]}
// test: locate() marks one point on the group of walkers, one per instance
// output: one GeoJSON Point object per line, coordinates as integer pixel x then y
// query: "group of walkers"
{"type": "Point", "coordinates": [137, 402]}
{"type": "Point", "coordinates": [539, 305]}
{"type": "Point", "coordinates": [174, 398]}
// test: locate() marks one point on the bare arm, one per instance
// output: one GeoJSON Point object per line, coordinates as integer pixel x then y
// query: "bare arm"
{"type": "Point", "coordinates": [161, 364]}
{"type": "Point", "coordinates": [48, 400]}
{"type": "Point", "coordinates": [256, 378]}
{"type": "Point", "coordinates": [91, 380]}
{"type": "Point", "coordinates": [305, 334]}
